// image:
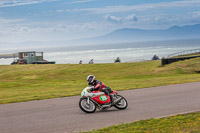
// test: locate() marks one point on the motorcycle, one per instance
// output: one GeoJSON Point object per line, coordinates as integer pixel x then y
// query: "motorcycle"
{"type": "Point", "coordinates": [89, 101]}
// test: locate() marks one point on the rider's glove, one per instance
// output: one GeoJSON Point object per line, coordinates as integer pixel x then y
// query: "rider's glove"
{"type": "Point", "coordinates": [92, 88]}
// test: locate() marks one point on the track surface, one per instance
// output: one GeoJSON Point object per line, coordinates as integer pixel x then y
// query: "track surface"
{"type": "Point", "coordinates": [62, 115]}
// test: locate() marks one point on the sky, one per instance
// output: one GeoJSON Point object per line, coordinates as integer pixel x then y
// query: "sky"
{"type": "Point", "coordinates": [62, 20]}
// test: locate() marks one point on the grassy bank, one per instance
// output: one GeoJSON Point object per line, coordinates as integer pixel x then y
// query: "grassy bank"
{"type": "Point", "coordinates": [188, 123]}
{"type": "Point", "coordinates": [32, 82]}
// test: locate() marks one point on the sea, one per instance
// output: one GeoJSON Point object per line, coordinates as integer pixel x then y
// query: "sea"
{"type": "Point", "coordinates": [107, 53]}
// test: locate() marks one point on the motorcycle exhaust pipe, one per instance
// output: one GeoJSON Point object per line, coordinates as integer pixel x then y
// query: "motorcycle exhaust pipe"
{"type": "Point", "coordinates": [105, 106]}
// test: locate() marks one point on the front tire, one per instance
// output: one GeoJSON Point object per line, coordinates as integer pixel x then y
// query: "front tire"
{"type": "Point", "coordinates": [122, 104]}
{"type": "Point", "coordinates": [85, 107]}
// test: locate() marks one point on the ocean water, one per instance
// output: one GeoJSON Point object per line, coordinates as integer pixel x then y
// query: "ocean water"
{"type": "Point", "coordinates": [108, 53]}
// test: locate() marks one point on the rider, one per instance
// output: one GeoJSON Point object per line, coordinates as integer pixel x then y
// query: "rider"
{"type": "Point", "coordinates": [98, 85]}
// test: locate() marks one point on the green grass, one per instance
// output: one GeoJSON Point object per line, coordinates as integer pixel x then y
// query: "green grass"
{"type": "Point", "coordinates": [34, 82]}
{"type": "Point", "coordinates": [188, 123]}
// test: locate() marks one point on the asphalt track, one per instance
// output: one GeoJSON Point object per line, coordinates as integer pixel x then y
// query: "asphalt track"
{"type": "Point", "coordinates": [62, 115]}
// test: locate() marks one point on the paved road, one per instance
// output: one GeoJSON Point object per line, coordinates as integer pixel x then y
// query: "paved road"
{"type": "Point", "coordinates": [62, 115]}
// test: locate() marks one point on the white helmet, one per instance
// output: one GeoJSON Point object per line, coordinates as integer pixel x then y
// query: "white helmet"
{"type": "Point", "coordinates": [90, 79]}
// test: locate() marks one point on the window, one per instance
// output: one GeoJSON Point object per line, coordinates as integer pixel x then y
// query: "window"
{"type": "Point", "coordinates": [25, 54]}
{"type": "Point", "coordinates": [32, 54]}
{"type": "Point", "coordinates": [39, 54]}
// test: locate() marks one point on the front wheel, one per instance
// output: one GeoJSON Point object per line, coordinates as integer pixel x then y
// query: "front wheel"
{"type": "Point", "coordinates": [122, 104]}
{"type": "Point", "coordinates": [88, 108]}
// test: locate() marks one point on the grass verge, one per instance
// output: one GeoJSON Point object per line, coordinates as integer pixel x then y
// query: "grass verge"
{"type": "Point", "coordinates": [35, 82]}
{"type": "Point", "coordinates": [187, 123]}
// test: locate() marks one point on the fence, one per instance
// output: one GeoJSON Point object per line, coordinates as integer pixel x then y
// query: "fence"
{"type": "Point", "coordinates": [180, 56]}
{"type": "Point", "coordinates": [183, 53]}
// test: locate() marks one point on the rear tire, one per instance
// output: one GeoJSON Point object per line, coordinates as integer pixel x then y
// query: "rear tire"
{"type": "Point", "coordinates": [85, 107]}
{"type": "Point", "coordinates": [122, 104]}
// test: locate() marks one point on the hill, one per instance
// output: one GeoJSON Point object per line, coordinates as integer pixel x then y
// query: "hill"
{"type": "Point", "coordinates": [136, 35]}
{"type": "Point", "coordinates": [125, 35]}
{"type": "Point", "coordinates": [141, 35]}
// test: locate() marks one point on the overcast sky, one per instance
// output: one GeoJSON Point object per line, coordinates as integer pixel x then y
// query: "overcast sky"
{"type": "Point", "coordinates": [59, 20]}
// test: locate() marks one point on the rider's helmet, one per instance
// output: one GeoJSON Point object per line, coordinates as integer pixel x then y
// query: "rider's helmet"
{"type": "Point", "coordinates": [90, 79]}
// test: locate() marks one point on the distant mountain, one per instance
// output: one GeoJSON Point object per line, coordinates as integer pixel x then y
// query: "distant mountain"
{"type": "Point", "coordinates": [133, 35]}
{"type": "Point", "coordinates": [126, 35]}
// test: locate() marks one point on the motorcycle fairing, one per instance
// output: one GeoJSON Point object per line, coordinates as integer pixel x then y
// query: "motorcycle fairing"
{"type": "Point", "coordinates": [102, 99]}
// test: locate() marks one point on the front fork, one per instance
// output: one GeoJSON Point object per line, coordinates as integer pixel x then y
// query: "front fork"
{"type": "Point", "coordinates": [88, 100]}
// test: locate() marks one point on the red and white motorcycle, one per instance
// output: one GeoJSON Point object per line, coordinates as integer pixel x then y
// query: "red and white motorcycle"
{"type": "Point", "coordinates": [89, 101]}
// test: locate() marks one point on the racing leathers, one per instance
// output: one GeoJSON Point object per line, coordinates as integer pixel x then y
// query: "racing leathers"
{"type": "Point", "coordinates": [98, 85]}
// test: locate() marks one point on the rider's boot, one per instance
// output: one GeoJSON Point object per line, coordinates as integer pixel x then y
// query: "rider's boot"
{"type": "Point", "coordinates": [111, 99]}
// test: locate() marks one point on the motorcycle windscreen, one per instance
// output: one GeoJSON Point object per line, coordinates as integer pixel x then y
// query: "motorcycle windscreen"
{"type": "Point", "coordinates": [102, 99]}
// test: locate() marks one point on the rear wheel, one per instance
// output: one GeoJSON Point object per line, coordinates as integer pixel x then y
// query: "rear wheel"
{"type": "Point", "coordinates": [122, 104]}
{"type": "Point", "coordinates": [88, 108]}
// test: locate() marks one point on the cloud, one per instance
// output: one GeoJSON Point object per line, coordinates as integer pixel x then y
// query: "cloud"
{"type": "Point", "coordinates": [167, 20]}
{"type": "Point", "coordinates": [142, 7]}
{"type": "Point", "coordinates": [81, 1]}
{"type": "Point", "coordinates": [9, 21]}
{"type": "Point", "coordinates": [112, 18]}
{"type": "Point", "coordinates": [195, 14]}
{"type": "Point", "coordinates": [154, 21]}
{"type": "Point", "coordinates": [19, 30]}
{"type": "Point", "coordinates": [60, 11]}
{"type": "Point", "coordinates": [10, 3]}
{"type": "Point", "coordinates": [129, 18]}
